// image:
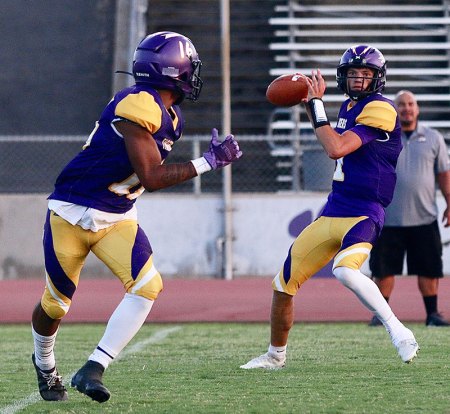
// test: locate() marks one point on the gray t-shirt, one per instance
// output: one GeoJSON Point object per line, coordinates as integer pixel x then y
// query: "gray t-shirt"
{"type": "Point", "coordinates": [423, 156]}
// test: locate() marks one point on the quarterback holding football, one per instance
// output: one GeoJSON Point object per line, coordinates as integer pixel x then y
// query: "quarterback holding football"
{"type": "Point", "coordinates": [365, 143]}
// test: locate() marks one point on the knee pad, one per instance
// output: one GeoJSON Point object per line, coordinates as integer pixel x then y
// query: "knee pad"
{"type": "Point", "coordinates": [345, 275]}
{"type": "Point", "coordinates": [354, 280]}
{"type": "Point", "coordinates": [56, 306]}
{"type": "Point", "coordinates": [53, 308]}
{"type": "Point", "coordinates": [148, 289]}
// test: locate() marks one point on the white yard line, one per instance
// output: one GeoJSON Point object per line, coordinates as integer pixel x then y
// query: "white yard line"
{"type": "Point", "coordinates": [33, 398]}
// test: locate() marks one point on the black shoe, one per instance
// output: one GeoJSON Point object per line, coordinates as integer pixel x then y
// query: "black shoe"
{"type": "Point", "coordinates": [375, 321]}
{"type": "Point", "coordinates": [88, 380]}
{"type": "Point", "coordinates": [50, 383]}
{"type": "Point", "coordinates": [436, 319]}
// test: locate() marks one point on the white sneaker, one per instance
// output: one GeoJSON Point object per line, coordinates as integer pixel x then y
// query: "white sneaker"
{"type": "Point", "coordinates": [407, 347]}
{"type": "Point", "coordinates": [265, 361]}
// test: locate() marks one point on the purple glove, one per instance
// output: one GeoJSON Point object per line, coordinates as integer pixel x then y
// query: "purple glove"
{"type": "Point", "coordinates": [223, 153]}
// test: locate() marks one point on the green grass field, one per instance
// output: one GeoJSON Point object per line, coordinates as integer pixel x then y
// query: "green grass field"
{"type": "Point", "coordinates": [194, 368]}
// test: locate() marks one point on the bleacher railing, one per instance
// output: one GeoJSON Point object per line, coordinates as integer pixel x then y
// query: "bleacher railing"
{"type": "Point", "coordinates": [413, 37]}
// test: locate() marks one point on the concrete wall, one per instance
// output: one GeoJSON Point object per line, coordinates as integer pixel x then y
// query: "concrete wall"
{"type": "Point", "coordinates": [184, 231]}
{"type": "Point", "coordinates": [56, 65]}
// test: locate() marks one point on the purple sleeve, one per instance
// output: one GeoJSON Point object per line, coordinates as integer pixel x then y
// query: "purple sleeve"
{"type": "Point", "coordinates": [368, 134]}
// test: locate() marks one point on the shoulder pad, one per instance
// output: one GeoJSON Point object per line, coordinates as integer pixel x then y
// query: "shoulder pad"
{"type": "Point", "coordinates": [142, 109]}
{"type": "Point", "coordinates": [378, 114]}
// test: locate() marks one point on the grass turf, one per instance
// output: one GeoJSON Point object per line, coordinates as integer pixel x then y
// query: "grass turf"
{"type": "Point", "coordinates": [194, 368]}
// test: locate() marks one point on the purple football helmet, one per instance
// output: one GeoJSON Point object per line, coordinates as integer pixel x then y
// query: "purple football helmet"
{"type": "Point", "coordinates": [362, 56]}
{"type": "Point", "coordinates": [168, 60]}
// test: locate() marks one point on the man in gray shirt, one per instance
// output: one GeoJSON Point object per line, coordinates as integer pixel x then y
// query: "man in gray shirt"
{"type": "Point", "coordinates": [411, 225]}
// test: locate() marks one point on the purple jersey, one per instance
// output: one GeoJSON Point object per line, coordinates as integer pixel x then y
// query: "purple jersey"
{"type": "Point", "coordinates": [364, 180]}
{"type": "Point", "coordinates": [101, 175]}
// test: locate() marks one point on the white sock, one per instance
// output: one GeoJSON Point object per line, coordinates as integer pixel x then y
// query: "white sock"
{"type": "Point", "coordinates": [396, 329]}
{"type": "Point", "coordinates": [278, 351]}
{"type": "Point", "coordinates": [43, 350]}
{"type": "Point", "coordinates": [122, 326]}
{"type": "Point", "coordinates": [368, 293]}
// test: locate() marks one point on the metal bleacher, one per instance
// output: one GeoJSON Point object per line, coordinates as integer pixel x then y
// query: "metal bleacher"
{"type": "Point", "coordinates": [414, 38]}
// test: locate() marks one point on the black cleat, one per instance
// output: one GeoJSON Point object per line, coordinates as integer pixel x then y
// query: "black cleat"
{"type": "Point", "coordinates": [375, 321]}
{"type": "Point", "coordinates": [436, 319]}
{"type": "Point", "coordinates": [88, 380]}
{"type": "Point", "coordinates": [50, 383]}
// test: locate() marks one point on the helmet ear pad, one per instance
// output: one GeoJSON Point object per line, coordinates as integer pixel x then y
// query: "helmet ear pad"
{"type": "Point", "coordinates": [362, 57]}
{"type": "Point", "coordinates": [168, 60]}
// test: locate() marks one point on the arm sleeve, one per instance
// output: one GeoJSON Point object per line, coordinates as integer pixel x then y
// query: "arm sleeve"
{"type": "Point", "coordinates": [141, 109]}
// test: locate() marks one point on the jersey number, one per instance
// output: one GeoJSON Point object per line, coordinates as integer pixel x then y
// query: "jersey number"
{"type": "Point", "coordinates": [91, 135]}
{"type": "Point", "coordinates": [131, 188]}
{"type": "Point", "coordinates": [338, 171]}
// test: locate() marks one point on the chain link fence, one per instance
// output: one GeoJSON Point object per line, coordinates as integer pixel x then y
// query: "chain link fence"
{"type": "Point", "coordinates": [30, 164]}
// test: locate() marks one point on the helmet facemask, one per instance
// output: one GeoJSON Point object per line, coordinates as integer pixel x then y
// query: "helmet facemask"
{"type": "Point", "coordinates": [195, 81]}
{"type": "Point", "coordinates": [362, 57]}
{"type": "Point", "coordinates": [168, 60]}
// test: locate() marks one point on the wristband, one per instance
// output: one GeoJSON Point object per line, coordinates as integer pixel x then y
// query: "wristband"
{"type": "Point", "coordinates": [201, 165]}
{"type": "Point", "coordinates": [318, 114]}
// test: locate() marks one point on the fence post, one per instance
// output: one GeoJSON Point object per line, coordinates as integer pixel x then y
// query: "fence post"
{"type": "Point", "coordinates": [195, 155]}
{"type": "Point", "coordinates": [226, 126]}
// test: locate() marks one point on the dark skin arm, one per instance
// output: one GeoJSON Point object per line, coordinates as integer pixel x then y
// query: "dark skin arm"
{"type": "Point", "coordinates": [444, 184]}
{"type": "Point", "coordinates": [146, 159]}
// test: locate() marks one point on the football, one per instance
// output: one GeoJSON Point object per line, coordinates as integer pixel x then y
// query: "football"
{"type": "Point", "coordinates": [287, 90]}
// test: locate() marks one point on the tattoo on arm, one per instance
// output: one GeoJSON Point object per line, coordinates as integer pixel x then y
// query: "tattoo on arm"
{"type": "Point", "coordinates": [172, 174]}
{"type": "Point", "coordinates": [177, 173]}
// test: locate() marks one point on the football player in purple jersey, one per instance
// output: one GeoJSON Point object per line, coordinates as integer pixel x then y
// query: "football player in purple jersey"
{"type": "Point", "coordinates": [92, 207]}
{"type": "Point", "coordinates": [366, 144]}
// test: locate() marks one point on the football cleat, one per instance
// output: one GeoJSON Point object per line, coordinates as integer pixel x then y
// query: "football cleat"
{"type": "Point", "coordinates": [265, 361]}
{"type": "Point", "coordinates": [436, 319]}
{"type": "Point", "coordinates": [407, 347]}
{"type": "Point", "coordinates": [88, 381]}
{"type": "Point", "coordinates": [50, 383]}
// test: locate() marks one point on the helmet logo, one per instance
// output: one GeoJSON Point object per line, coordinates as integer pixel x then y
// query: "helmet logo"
{"type": "Point", "coordinates": [358, 59]}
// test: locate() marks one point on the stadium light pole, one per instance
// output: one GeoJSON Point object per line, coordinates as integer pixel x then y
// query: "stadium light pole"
{"type": "Point", "coordinates": [130, 28]}
{"type": "Point", "coordinates": [227, 258]}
